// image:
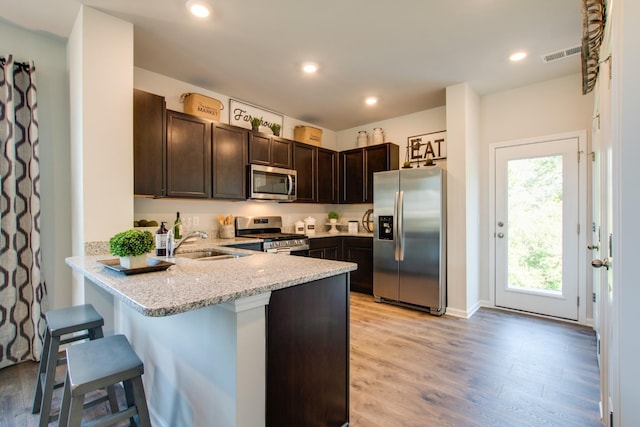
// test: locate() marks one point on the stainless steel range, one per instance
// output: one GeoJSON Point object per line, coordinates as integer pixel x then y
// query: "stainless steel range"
{"type": "Point", "coordinates": [269, 229]}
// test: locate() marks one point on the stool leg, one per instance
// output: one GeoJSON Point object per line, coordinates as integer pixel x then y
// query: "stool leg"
{"type": "Point", "coordinates": [42, 368]}
{"type": "Point", "coordinates": [113, 400]}
{"type": "Point", "coordinates": [75, 411]}
{"type": "Point", "coordinates": [63, 418]}
{"type": "Point", "coordinates": [49, 382]}
{"type": "Point", "coordinates": [141, 402]}
{"type": "Point", "coordinates": [130, 398]}
{"type": "Point", "coordinates": [95, 333]}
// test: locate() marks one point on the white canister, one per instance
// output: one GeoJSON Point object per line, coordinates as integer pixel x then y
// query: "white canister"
{"type": "Point", "coordinates": [363, 138]}
{"type": "Point", "coordinates": [353, 227]}
{"type": "Point", "coordinates": [298, 227]}
{"type": "Point", "coordinates": [378, 136]}
{"type": "Point", "coordinates": [309, 225]}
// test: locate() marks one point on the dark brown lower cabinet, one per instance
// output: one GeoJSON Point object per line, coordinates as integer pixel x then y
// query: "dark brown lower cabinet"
{"type": "Point", "coordinates": [352, 249]}
{"type": "Point", "coordinates": [360, 251]}
{"type": "Point", "coordinates": [326, 248]}
{"type": "Point", "coordinates": [308, 354]}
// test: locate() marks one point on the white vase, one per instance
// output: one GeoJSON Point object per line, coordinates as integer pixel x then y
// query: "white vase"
{"type": "Point", "coordinates": [130, 262]}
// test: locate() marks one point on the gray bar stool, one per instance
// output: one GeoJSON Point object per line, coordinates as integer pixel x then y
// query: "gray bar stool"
{"type": "Point", "coordinates": [65, 321]}
{"type": "Point", "coordinates": [93, 365]}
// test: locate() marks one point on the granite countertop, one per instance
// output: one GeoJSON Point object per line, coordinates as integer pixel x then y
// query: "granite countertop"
{"type": "Point", "coordinates": [192, 284]}
{"type": "Point", "coordinates": [340, 234]}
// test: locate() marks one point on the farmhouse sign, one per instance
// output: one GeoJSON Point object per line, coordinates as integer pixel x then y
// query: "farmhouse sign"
{"type": "Point", "coordinates": [433, 146]}
{"type": "Point", "coordinates": [240, 114]}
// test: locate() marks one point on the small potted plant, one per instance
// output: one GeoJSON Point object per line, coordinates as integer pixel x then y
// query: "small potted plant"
{"type": "Point", "coordinates": [255, 123]}
{"type": "Point", "coordinates": [333, 217]}
{"type": "Point", "coordinates": [275, 128]}
{"type": "Point", "coordinates": [132, 247]}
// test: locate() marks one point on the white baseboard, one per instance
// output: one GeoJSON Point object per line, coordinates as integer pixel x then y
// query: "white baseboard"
{"type": "Point", "coordinates": [464, 314]}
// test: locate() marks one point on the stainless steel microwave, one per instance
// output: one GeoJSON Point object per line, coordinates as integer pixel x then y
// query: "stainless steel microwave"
{"type": "Point", "coordinates": [271, 183]}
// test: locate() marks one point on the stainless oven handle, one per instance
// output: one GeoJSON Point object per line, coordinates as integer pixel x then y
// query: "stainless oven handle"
{"type": "Point", "coordinates": [279, 251]}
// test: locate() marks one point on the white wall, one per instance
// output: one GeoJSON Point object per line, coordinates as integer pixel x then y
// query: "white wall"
{"type": "Point", "coordinates": [171, 89]}
{"type": "Point", "coordinates": [48, 54]}
{"type": "Point", "coordinates": [626, 211]}
{"type": "Point", "coordinates": [397, 129]}
{"type": "Point", "coordinates": [101, 88]}
{"type": "Point", "coordinates": [462, 200]}
{"type": "Point", "coordinates": [547, 108]}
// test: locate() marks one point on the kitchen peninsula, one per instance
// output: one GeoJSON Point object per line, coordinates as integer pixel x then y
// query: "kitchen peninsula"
{"type": "Point", "coordinates": [252, 340]}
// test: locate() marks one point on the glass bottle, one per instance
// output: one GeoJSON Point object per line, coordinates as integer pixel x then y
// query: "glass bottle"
{"type": "Point", "coordinates": [177, 227]}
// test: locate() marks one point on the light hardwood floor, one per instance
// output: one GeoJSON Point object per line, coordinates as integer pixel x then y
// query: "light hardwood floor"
{"type": "Point", "coordinates": [409, 368]}
{"type": "Point", "coordinates": [498, 368]}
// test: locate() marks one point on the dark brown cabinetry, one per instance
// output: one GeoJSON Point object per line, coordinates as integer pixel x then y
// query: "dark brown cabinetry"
{"type": "Point", "coordinates": [229, 149]}
{"type": "Point", "coordinates": [188, 156]}
{"type": "Point", "coordinates": [381, 157]}
{"type": "Point", "coordinates": [360, 251]}
{"type": "Point", "coordinates": [358, 166]}
{"type": "Point", "coordinates": [149, 143]}
{"type": "Point", "coordinates": [305, 163]}
{"type": "Point", "coordinates": [317, 173]}
{"type": "Point", "coordinates": [327, 176]}
{"type": "Point", "coordinates": [308, 354]}
{"type": "Point", "coordinates": [352, 249]}
{"type": "Point", "coordinates": [270, 150]}
{"type": "Point", "coordinates": [326, 248]}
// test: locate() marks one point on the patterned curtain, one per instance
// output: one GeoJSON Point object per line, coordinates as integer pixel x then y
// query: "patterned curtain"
{"type": "Point", "coordinates": [22, 291]}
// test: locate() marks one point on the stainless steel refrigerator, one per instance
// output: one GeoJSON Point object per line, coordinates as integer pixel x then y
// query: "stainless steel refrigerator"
{"type": "Point", "coordinates": [409, 240]}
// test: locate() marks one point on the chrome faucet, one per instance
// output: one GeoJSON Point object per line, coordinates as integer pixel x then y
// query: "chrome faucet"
{"type": "Point", "coordinates": [173, 245]}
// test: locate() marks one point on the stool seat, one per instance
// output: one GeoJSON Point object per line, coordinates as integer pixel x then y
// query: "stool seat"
{"type": "Point", "coordinates": [102, 363]}
{"type": "Point", "coordinates": [64, 326]}
{"type": "Point", "coordinates": [73, 319]}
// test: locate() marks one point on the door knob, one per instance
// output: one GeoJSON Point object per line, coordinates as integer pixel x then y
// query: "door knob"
{"type": "Point", "coordinates": [593, 247]}
{"type": "Point", "coordinates": [597, 263]}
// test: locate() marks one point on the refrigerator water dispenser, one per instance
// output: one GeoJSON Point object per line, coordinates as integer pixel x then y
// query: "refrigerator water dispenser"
{"type": "Point", "coordinates": [385, 227]}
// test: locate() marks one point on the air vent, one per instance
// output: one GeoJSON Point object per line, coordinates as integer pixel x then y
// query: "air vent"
{"type": "Point", "coordinates": [561, 54]}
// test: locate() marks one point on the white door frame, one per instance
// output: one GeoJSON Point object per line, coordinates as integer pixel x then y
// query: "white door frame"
{"type": "Point", "coordinates": [584, 226]}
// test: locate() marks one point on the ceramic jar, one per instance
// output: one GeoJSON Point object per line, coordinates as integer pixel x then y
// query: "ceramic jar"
{"type": "Point", "coordinates": [363, 138]}
{"type": "Point", "coordinates": [309, 225]}
{"type": "Point", "coordinates": [378, 136]}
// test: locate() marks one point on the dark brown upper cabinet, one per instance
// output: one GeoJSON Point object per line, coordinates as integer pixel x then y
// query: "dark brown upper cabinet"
{"type": "Point", "coordinates": [149, 144]}
{"type": "Point", "coordinates": [317, 173]}
{"type": "Point", "coordinates": [305, 163]}
{"type": "Point", "coordinates": [378, 158]}
{"type": "Point", "coordinates": [357, 167]}
{"type": "Point", "coordinates": [229, 162]}
{"type": "Point", "coordinates": [270, 150]}
{"type": "Point", "coordinates": [188, 156]}
{"type": "Point", "coordinates": [327, 176]}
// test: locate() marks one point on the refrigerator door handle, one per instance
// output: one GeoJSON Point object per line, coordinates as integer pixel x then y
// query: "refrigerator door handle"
{"type": "Point", "coordinates": [396, 243]}
{"type": "Point", "coordinates": [400, 228]}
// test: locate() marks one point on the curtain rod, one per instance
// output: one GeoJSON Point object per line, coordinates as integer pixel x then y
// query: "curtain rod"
{"type": "Point", "coordinates": [24, 65]}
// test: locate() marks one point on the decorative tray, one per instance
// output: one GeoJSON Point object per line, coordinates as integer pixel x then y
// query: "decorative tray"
{"type": "Point", "coordinates": [153, 264]}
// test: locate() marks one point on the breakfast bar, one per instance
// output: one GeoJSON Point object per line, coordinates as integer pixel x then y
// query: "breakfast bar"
{"type": "Point", "coordinates": [251, 339]}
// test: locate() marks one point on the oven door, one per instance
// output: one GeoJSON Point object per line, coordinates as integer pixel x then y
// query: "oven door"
{"type": "Point", "coordinates": [269, 183]}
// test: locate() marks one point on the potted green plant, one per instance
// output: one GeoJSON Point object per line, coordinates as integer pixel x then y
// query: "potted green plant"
{"type": "Point", "coordinates": [255, 123]}
{"type": "Point", "coordinates": [333, 217]}
{"type": "Point", "coordinates": [132, 247]}
{"type": "Point", "coordinates": [275, 128]}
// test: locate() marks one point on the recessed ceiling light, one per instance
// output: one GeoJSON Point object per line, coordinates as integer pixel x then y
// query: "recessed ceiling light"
{"type": "Point", "coordinates": [372, 100]}
{"type": "Point", "coordinates": [310, 67]}
{"type": "Point", "coordinates": [199, 8]}
{"type": "Point", "coordinates": [518, 56]}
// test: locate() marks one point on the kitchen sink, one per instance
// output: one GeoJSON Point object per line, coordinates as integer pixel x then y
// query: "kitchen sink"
{"type": "Point", "coordinates": [208, 255]}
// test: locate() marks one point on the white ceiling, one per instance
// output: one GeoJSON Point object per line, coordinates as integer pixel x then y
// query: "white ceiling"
{"type": "Point", "coordinates": [404, 51]}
